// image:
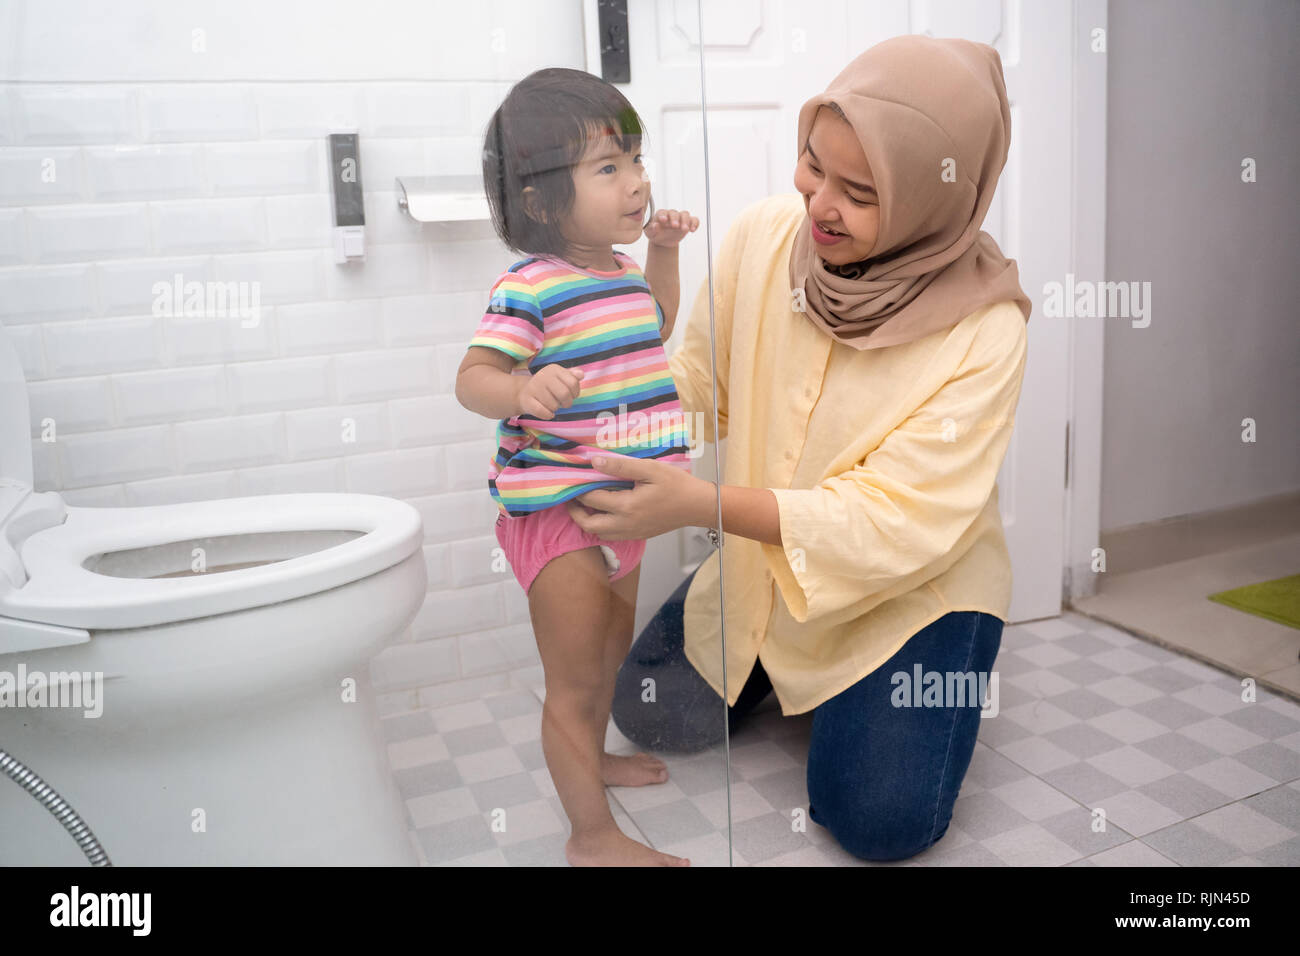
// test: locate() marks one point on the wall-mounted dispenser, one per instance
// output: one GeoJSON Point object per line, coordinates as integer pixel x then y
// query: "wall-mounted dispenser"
{"type": "Point", "coordinates": [345, 194]}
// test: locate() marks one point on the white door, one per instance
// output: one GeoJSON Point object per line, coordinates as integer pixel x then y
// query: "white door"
{"type": "Point", "coordinates": [762, 59]}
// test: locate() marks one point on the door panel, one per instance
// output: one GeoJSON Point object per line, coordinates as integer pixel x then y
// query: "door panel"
{"type": "Point", "coordinates": [764, 59]}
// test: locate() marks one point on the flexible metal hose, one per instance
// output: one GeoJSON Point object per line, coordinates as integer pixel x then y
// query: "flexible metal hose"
{"type": "Point", "coordinates": [49, 798]}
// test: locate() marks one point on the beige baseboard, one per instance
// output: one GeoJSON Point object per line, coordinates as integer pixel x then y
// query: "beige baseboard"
{"type": "Point", "coordinates": [1155, 543]}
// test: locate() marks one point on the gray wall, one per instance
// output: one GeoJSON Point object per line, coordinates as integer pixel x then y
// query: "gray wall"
{"type": "Point", "coordinates": [1194, 87]}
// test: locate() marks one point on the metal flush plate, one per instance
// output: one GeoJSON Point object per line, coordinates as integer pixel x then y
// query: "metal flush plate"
{"type": "Point", "coordinates": [615, 58]}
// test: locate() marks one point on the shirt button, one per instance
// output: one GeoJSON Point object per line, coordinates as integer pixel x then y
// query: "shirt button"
{"type": "Point", "coordinates": [808, 392]}
{"type": "Point", "coordinates": [789, 455]}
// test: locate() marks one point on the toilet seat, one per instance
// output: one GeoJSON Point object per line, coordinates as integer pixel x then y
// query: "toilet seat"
{"type": "Point", "coordinates": [60, 591]}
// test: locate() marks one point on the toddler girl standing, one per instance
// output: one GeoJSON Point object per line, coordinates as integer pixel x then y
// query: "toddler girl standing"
{"type": "Point", "coordinates": [569, 357]}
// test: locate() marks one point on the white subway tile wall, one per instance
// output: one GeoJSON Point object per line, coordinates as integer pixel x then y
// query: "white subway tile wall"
{"type": "Point", "coordinates": [124, 183]}
{"type": "Point", "coordinates": [11, 236]}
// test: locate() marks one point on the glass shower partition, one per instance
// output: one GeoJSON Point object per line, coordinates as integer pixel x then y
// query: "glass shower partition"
{"type": "Point", "coordinates": [663, 708]}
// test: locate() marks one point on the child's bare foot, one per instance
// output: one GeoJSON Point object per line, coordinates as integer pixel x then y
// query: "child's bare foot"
{"type": "Point", "coordinates": [612, 847]}
{"type": "Point", "coordinates": [634, 771]}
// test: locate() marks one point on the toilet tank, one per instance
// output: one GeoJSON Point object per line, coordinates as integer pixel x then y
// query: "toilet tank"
{"type": "Point", "coordinates": [15, 417]}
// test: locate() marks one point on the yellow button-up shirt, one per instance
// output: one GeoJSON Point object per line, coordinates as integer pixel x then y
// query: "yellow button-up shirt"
{"type": "Point", "coordinates": [883, 462]}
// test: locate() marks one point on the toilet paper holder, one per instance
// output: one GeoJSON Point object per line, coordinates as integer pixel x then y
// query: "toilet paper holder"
{"type": "Point", "coordinates": [443, 198]}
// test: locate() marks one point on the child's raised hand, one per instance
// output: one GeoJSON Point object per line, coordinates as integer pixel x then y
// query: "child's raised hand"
{"type": "Point", "coordinates": [549, 388]}
{"type": "Point", "coordinates": [670, 226]}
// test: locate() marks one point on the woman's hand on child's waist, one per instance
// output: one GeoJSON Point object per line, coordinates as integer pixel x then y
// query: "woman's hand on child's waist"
{"type": "Point", "coordinates": [664, 498]}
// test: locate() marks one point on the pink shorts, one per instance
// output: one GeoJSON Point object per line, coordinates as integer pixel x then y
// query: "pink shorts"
{"type": "Point", "coordinates": [530, 541]}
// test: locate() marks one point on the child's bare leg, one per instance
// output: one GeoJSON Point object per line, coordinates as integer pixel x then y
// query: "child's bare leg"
{"type": "Point", "coordinates": [616, 770]}
{"type": "Point", "coordinates": [569, 602]}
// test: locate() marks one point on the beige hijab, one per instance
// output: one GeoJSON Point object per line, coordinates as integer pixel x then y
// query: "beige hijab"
{"type": "Point", "coordinates": [919, 106]}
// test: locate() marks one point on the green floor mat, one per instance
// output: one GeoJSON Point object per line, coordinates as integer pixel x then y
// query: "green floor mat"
{"type": "Point", "coordinates": [1276, 600]}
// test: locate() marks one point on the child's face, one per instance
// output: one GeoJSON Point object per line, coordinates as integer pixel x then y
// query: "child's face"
{"type": "Point", "coordinates": [611, 190]}
{"type": "Point", "coordinates": [838, 189]}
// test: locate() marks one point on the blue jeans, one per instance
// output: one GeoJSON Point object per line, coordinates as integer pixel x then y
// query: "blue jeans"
{"type": "Point", "coordinates": [882, 779]}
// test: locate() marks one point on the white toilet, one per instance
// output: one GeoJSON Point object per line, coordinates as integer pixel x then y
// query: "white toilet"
{"type": "Point", "coordinates": [233, 637]}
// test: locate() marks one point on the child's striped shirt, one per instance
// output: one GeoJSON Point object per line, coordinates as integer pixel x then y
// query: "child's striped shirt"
{"type": "Point", "coordinates": [543, 311]}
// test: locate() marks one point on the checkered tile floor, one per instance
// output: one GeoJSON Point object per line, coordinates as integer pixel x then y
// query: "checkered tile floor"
{"type": "Point", "coordinates": [1090, 717]}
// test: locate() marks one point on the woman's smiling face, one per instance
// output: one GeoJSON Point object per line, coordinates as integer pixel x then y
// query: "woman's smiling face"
{"type": "Point", "coordinates": [838, 190]}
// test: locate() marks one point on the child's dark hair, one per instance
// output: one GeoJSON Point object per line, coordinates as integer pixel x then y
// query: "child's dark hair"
{"type": "Point", "coordinates": [534, 138]}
